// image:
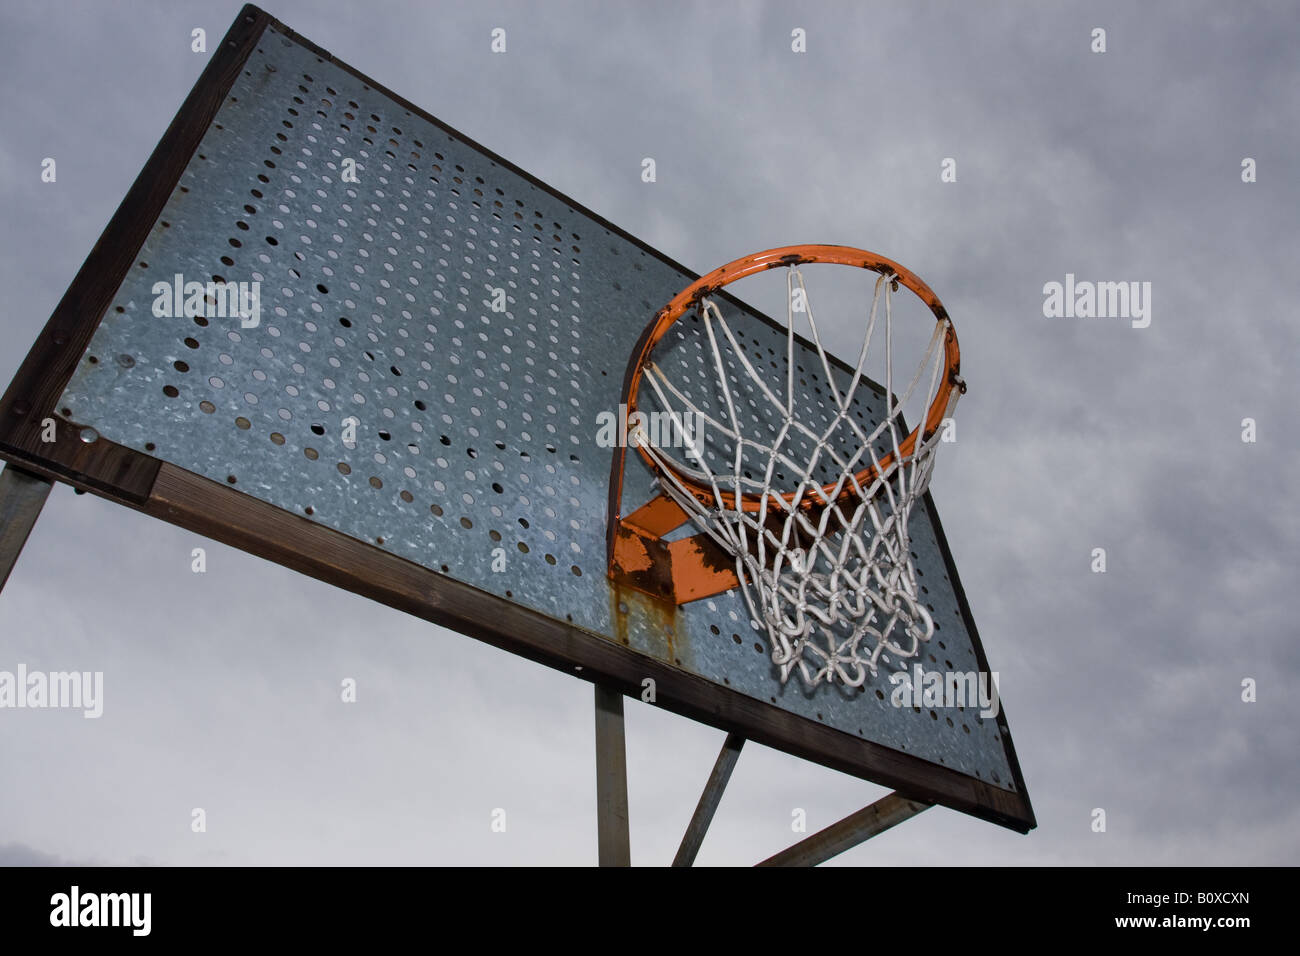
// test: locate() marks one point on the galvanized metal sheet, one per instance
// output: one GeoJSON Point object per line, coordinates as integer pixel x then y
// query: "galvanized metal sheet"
{"type": "Point", "coordinates": [476, 452]}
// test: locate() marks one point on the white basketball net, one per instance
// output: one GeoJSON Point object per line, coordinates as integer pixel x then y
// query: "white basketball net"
{"type": "Point", "coordinates": [834, 586]}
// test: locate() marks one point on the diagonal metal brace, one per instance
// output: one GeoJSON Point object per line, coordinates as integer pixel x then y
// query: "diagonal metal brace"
{"type": "Point", "coordinates": [709, 800]}
{"type": "Point", "coordinates": [854, 829]}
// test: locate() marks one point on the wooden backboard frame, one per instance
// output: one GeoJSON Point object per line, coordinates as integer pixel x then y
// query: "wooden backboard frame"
{"type": "Point", "coordinates": [224, 514]}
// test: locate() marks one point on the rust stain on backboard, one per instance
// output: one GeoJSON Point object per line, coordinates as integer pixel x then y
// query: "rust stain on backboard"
{"type": "Point", "coordinates": [658, 626]}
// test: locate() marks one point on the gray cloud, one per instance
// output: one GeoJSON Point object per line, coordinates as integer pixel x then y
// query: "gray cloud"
{"type": "Point", "coordinates": [1123, 690]}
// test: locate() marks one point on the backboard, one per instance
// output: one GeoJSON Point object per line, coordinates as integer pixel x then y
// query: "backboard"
{"type": "Point", "coordinates": [413, 415]}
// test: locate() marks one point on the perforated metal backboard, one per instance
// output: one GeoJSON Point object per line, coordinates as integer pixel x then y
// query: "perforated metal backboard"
{"type": "Point", "coordinates": [475, 468]}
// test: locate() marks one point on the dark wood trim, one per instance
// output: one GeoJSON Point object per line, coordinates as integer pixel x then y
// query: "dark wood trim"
{"type": "Point", "coordinates": [103, 466]}
{"type": "Point", "coordinates": [233, 518]}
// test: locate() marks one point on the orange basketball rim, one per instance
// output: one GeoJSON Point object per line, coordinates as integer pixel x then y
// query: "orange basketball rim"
{"type": "Point", "coordinates": [689, 569]}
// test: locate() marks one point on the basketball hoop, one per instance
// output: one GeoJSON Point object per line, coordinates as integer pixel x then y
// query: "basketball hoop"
{"type": "Point", "coordinates": [825, 566]}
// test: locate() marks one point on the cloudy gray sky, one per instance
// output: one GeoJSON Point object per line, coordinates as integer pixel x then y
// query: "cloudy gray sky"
{"type": "Point", "coordinates": [1123, 689]}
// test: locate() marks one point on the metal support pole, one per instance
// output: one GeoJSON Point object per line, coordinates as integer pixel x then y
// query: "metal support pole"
{"type": "Point", "coordinates": [849, 832]}
{"type": "Point", "coordinates": [22, 495]}
{"type": "Point", "coordinates": [709, 800]}
{"type": "Point", "coordinates": [615, 847]}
